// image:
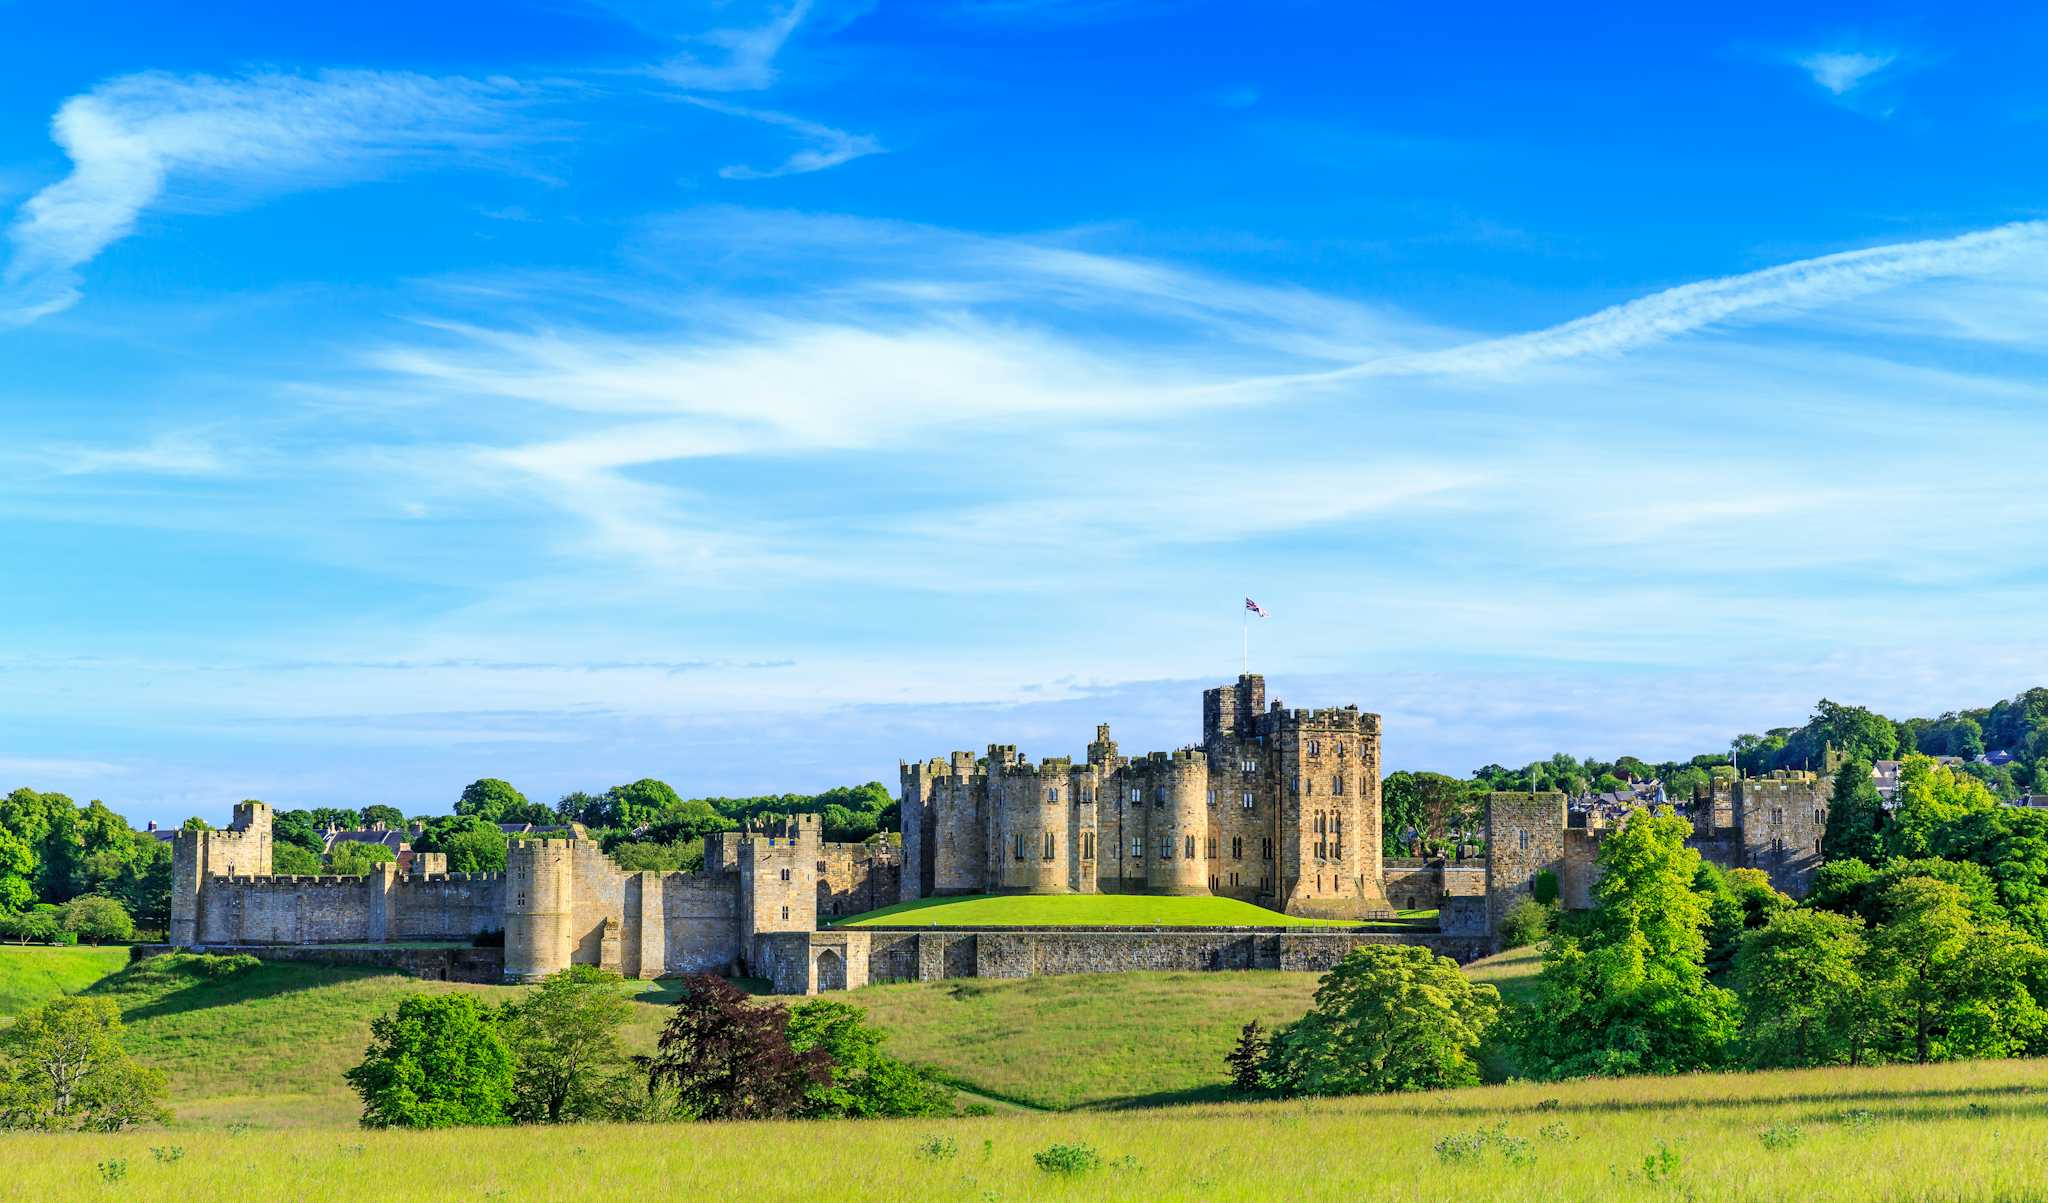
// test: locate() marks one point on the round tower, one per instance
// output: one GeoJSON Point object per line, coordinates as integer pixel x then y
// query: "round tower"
{"type": "Point", "coordinates": [1177, 805]}
{"type": "Point", "coordinates": [1031, 807]}
{"type": "Point", "coordinates": [537, 909]}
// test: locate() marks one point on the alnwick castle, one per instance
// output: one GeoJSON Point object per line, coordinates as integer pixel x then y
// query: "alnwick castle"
{"type": "Point", "coordinates": [1274, 806]}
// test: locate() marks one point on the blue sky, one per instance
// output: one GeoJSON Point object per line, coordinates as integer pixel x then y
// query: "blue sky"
{"type": "Point", "coordinates": [754, 394]}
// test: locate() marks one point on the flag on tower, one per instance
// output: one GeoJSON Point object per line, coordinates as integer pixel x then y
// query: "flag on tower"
{"type": "Point", "coordinates": [1256, 608]}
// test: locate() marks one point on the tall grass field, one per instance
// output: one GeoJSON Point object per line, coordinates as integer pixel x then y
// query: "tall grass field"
{"type": "Point", "coordinates": [1970, 1132]}
{"type": "Point", "coordinates": [31, 976]}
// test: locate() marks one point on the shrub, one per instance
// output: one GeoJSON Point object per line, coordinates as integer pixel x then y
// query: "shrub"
{"type": "Point", "coordinates": [938, 1148]}
{"type": "Point", "coordinates": [864, 1080]}
{"type": "Point", "coordinates": [1527, 922]}
{"type": "Point", "coordinates": [1068, 1159]}
{"type": "Point", "coordinates": [1389, 1017]}
{"type": "Point", "coordinates": [98, 919]}
{"type": "Point", "coordinates": [1781, 1136]}
{"type": "Point", "coordinates": [436, 1062]}
{"type": "Point", "coordinates": [1545, 887]}
{"type": "Point", "coordinates": [720, 1057]}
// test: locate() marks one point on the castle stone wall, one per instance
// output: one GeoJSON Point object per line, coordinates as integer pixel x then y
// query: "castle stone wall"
{"type": "Point", "coordinates": [856, 878]}
{"type": "Point", "coordinates": [1524, 837]}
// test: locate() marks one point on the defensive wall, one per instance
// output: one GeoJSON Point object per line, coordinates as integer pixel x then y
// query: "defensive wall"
{"type": "Point", "coordinates": [445, 964]}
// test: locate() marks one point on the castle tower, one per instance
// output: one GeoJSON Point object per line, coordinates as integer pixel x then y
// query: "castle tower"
{"type": "Point", "coordinates": [1174, 796]}
{"type": "Point", "coordinates": [916, 817]}
{"type": "Point", "coordinates": [1030, 805]}
{"type": "Point", "coordinates": [243, 849]}
{"type": "Point", "coordinates": [539, 904]}
{"type": "Point", "coordinates": [1328, 762]}
{"type": "Point", "coordinates": [779, 878]}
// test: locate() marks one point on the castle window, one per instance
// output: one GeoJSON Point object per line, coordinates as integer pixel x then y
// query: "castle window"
{"type": "Point", "coordinates": [1212, 847]}
{"type": "Point", "coordinates": [1019, 850]}
{"type": "Point", "coordinates": [1265, 850]}
{"type": "Point", "coordinates": [1212, 795]}
{"type": "Point", "coordinates": [1340, 747]}
{"type": "Point", "coordinates": [1236, 853]}
{"type": "Point", "coordinates": [1337, 825]}
{"type": "Point", "coordinates": [1137, 847]}
{"type": "Point", "coordinates": [1337, 785]}
{"type": "Point", "coordinates": [785, 912]}
{"type": "Point", "coordinates": [1523, 838]}
{"type": "Point", "coordinates": [1087, 845]}
{"type": "Point", "coordinates": [1319, 851]}
{"type": "Point", "coordinates": [1137, 795]}
{"type": "Point", "coordinates": [1315, 747]}
{"type": "Point", "coordinates": [785, 875]}
{"type": "Point", "coordinates": [1159, 795]}
{"type": "Point", "coordinates": [1052, 794]}
{"type": "Point", "coordinates": [1361, 788]}
{"type": "Point", "coordinates": [1308, 787]}
{"type": "Point", "coordinates": [1050, 846]}
{"type": "Point", "coordinates": [1247, 799]}
{"type": "Point", "coordinates": [1165, 847]}
{"type": "Point", "coordinates": [1777, 816]}
{"type": "Point", "coordinates": [1319, 823]}
{"type": "Point", "coordinates": [1820, 817]}
{"type": "Point", "coordinates": [1336, 849]}
{"type": "Point", "coordinates": [1190, 852]}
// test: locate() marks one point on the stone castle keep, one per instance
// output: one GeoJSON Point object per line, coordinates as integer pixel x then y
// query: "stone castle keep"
{"type": "Point", "coordinates": [1277, 807]}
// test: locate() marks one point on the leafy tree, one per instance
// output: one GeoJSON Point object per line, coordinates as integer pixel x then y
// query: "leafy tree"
{"type": "Point", "coordinates": [356, 857]}
{"type": "Point", "coordinates": [721, 1058]}
{"type": "Point", "coordinates": [39, 924]}
{"type": "Point", "coordinates": [683, 856]}
{"type": "Point", "coordinates": [1738, 901]}
{"type": "Point", "coordinates": [1683, 783]}
{"type": "Point", "coordinates": [62, 1068]}
{"type": "Point", "coordinates": [487, 799]}
{"type": "Point", "coordinates": [1527, 922]}
{"type": "Point", "coordinates": [1434, 806]}
{"type": "Point", "coordinates": [1804, 1001]}
{"type": "Point", "coordinates": [579, 807]}
{"type": "Point", "coordinates": [297, 829]}
{"type": "Point", "coordinates": [1629, 994]}
{"type": "Point", "coordinates": [343, 818]}
{"type": "Point", "coordinates": [864, 1080]}
{"type": "Point", "coordinates": [98, 919]}
{"type": "Point", "coordinates": [1849, 731]}
{"type": "Point", "coordinates": [390, 816]}
{"type": "Point", "coordinates": [1853, 816]}
{"type": "Point", "coordinates": [691, 820]}
{"type": "Point", "coordinates": [141, 880]}
{"type": "Point", "coordinates": [477, 850]}
{"type": "Point", "coordinates": [1956, 987]}
{"type": "Point", "coordinates": [17, 873]}
{"type": "Point", "coordinates": [1247, 1059]}
{"type": "Point", "coordinates": [1389, 1017]}
{"type": "Point", "coordinates": [1853, 888]}
{"type": "Point", "coordinates": [438, 1061]}
{"type": "Point", "coordinates": [642, 802]}
{"type": "Point", "coordinates": [540, 814]}
{"type": "Point", "coordinates": [1928, 797]}
{"type": "Point", "coordinates": [291, 860]}
{"type": "Point", "coordinates": [2010, 844]}
{"type": "Point", "coordinates": [195, 823]}
{"type": "Point", "coordinates": [565, 1036]}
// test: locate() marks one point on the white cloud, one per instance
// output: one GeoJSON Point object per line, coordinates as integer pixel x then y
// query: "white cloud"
{"type": "Point", "coordinates": [52, 767]}
{"type": "Point", "coordinates": [1843, 71]}
{"type": "Point", "coordinates": [134, 140]}
{"type": "Point", "coordinates": [829, 147]}
{"type": "Point", "coordinates": [166, 455]}
{"type": "Point", "coordinates": [747, 60]}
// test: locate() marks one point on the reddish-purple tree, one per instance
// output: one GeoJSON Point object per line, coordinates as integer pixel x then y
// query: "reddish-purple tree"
{"type": "Point", "coordinates": [727, 1058]}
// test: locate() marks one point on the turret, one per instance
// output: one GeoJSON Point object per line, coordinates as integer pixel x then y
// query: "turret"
{"type": "Point", "coordinates": [1174, 798]}
{"type": "Point", "coordinates": [538, 908]}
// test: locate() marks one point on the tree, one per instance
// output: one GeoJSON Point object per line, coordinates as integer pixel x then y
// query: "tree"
{"type": "Point", "coordinates": [565, 1036]}
{"type": "Point", "coordinates": [477, 849]}
{"type": "Point", "coordinates": [1957, 988]}
{"type": "Point", "coordinates": [290, 860]}
{"type": "Point", "coordinates": [1738, 901]}
{"type": "Point", "coordinates": [438, 1061]}
{"type": "Point", "coordinates": [1527, 922]}
{"type": "Point", "coordinates": [1804, 1001]}
{"type": "Point", "coordinates": [1629, 992]}
{"type": "Point", "coordinates": [642, 802]}
{"type": "Point", "coordinates": [1852, 732]}
{"type": "Point", "coordinates": [2010, 845]}
{"type": "Point", "coordinates": [377, 813]}
{"type": "Point", "coordinates": [297, 829]}
{"type": "Point", "coordinates": [98, 919]}
{"type": "Point", "coordinates": [722, 1058]}
{"type": "Point", "coordinates": [1853, 816]}
{"type": "Point", "coordinates": [1247, 1059]}
{"type": "Point", "coordinates": [1930, 796]}
{"type": "Point", "coordinates": [356, 857]}
{"type": "Point", "coordinates": [487, 799]}
{"type": "Point", "coordinates": [1388, 1017]}
{"type": "Point", "coordinates": [691, 820]}
{"type": "Point", "coordinates": [17, 873]}
{"type": "Point", "coordinates": [864, 1081]}
{"type": "Point", "coordinates": [62, 1067]}
{"type": "Point", "coordinates": [579, 807]}
{"type": "Point", "coordinates": [1853, 888]}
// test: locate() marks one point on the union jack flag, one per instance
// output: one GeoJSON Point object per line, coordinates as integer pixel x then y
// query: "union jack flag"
{"type": "Point", "coordinates": [1256, 608]}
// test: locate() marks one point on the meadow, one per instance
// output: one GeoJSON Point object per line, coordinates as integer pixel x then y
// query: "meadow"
{"type": "Point", "coordinates": [1107, 910]}
{"type": "Point", "coordinates": [1965, 1133]}
{"type": "Point", "coordinates": [31, 976]}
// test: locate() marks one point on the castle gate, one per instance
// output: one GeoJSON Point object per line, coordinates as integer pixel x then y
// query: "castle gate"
{"type": "Point", "coordinates": [831, 973]}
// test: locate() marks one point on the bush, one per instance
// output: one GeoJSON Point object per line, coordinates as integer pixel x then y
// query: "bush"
{"type": "Point", "coordinates": [41, 925]}
{"type": "Point", "coordinates": [98, 919]}
{"type": "Point", "coordinates": [1545, 887]}
{"type": "Point", "coordinates": [1527, 922]}
{"type": "Point", "coordinates": [436, 1062]}
{"type": "Point", "coordinates": [1389, 1017]}
{"type": "Point", "coordinates": [1068, 1159]}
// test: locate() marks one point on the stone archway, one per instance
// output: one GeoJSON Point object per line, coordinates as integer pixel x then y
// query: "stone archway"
{"type": "Point", "coordinates": [831, 970]}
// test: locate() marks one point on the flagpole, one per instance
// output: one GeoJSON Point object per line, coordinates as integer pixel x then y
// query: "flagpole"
{"type": "Point", "coordinates": [1245, 619]}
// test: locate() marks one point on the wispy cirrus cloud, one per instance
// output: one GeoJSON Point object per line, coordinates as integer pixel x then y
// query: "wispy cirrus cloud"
{"type": "Point", "coordinates": [828, 147]}
{"type": "Point", "coordinates": [136, 140]}
{"type": "Point", "coordinates": [1843, 71]}
{"type": "Point", "coordinates": [743, 58]}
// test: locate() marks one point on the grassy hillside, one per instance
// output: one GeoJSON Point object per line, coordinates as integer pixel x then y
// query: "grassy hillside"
{"type": "Point", "coordinates": [267, 1044]}
{"type": "Point", "coordinates": [1081, 910]}
{"type": "Point", "coordinates": [30, 977]}
{"type": "Point", "coordinates": [1972, 1132]}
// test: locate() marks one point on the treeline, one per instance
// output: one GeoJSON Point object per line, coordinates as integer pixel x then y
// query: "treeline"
{"type": "Point", "coordinates": [71, 872]}
{"type": "Point", "coordinates": [555, 1056]}
{"type": "Point", "coordinates": [1924, 938]}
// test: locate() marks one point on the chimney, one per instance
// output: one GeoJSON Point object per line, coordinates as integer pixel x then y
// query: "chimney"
{"type": "Point", "coordinates": [152, 824]}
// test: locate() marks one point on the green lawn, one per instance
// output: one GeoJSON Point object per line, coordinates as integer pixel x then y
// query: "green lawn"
{"type": "Point", "coordinates": [1096, 910]}
{"type": "Point", "coordinates": [1960, 1133]}
{"type": "Point", "coordinates": [31, 976]}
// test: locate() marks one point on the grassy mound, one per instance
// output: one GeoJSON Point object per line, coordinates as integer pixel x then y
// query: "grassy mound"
{"type": "Point", "coordinates": [1093, 910]}
{"type": "Point", "coordinates": [30, 977]}
{"type": "Point", "coordinates": [1968, 1132]}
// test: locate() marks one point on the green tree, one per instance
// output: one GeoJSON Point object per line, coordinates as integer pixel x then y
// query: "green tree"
{"type": "Point", "coordinates": [356, 857]}
{"type": "Point", "coordinates": [579, 807]}
{"type": "Point", "coordinates": [1629, 993]}
{"type": "Point", "coordinates": [565, 1036]}
{"type": "Point", "coordinates": [438, 1061]}
{"type": "Point", "coordinates": [296, 828]}
{"type": "Point", "coordinates": [644, 801]}
{"type": "Point", "coordinates": [2010, 845]}
{"type": "Point", "coordinates": [390, 816]}
{"type": "Point", "coordinates": [1527, 922]}
{"type": "Point", "coordinates": [864, 1081]}
{"type": "Point", "coordinates": [477, 849]}
{"type": "Point", "coordinates": [1853, 816]}
{"type": "Point", "coordinates": [488, 798]}
{"type": "Point", "coordinates": [691, 820]}
{"type": "Point", "coordinates": [1956, 987]}
{"type": "Point", "coordinates": [1247, 1059]}
{"type": "Point", "coordinates": [17, 873]}
{"type": "Point", "coordinates": [1389, 1017]}
{"type": "Point", "coordinates": [290, 860]}
{"type": "Point", "coordinates": [1804, 1001]}
{"type": "Point", "coordinates": [62, 1067]}
{"type": "Point", "coordinates": [1930, 796]}
{"type": "Point", "coordinates": [98, 919]}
